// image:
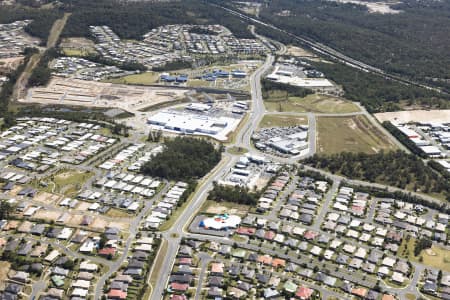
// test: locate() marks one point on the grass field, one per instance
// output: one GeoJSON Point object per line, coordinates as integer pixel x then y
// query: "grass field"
{"type": "Point", "coordinates": [410, 297]}
{"type": "Point", "coordinates": [67, 181]}
{"type": "Point", "coordinates": [438, 257]}
{"type": "Point", "coordinates": [214, 207]}
{"type": "Point", "coordinates": [145, 78]}
{"type": "Point", "coordinates": [352, 134]}
{"type": "Point", "coordinates": [312, 103]}
{"type": "Point", "coordinates": [237, 150]}
{"type": "Point", "coordinates": [159, 261]}
{"type": "Point", "coordinates": [74, 52]}
{"type": "Point", "coordinates": [282, 121]}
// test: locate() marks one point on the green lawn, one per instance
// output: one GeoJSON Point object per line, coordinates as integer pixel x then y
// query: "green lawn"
{"type": "Point", "coordinates": [352, 134]}
{"type": "Point", "coordinates": [272, 120]}
{"type": "Point", "coordinates": [237, 150]}
{"type": "Point", "coordinates": [278, 102]}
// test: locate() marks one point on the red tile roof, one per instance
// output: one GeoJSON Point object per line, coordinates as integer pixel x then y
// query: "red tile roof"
{"type": "Point", "coordinates": [246, 230]}
{"type": "Point", "coordinates": [107, 251]}
{"type": "Point", "coordinates": [277, 262]}
{"type": "Point", "coordinates": [304, 292]}
{"type": "Point", "coordinates": [179, 286]}
{"type": "Point", "coordinates": [265, 259]}
{"type": "Point", "coordinates": [117, 294]}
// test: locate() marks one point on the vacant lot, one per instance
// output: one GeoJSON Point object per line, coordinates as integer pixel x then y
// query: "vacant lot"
{"type": "Point", "coordinates": [282, 121]}
{"type": "Point", "coordinates": [145, 78]}
{"type": "Point", "coordinates": [4, 269]}
{"type": "Point", "coordinates": [436, 257]}
{"type": "Point", "coordinates": [415, 116]}
{"type": "Point", "coordinates": [67, 182]}
{"type": "Point", "coordinates": [311, 103]}
{"type": "Point", "coordinates": [352, 134]}
{"type": "Point", "coordinates": [77, 46]}
{"type": "Point", "coordinates": [215, 208]}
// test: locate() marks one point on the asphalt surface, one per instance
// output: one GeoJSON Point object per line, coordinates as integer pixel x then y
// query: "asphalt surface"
{"type": "Point", "coordinates": [133, 230]}
{"type": "Point", "coordinates": [243, 139]}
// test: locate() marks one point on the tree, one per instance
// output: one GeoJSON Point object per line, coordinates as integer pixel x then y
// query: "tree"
{"type": "Point", "coordinates": [6, 210]}
{"type": "Point", "coordinates": [422, 243]}
{"type": "Point", "coordinates": [103, 241]}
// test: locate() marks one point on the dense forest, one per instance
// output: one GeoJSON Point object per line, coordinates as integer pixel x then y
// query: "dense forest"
{"type": "Point", "coordinates": [131, 20]}
{"type": "Point", "coordinates": [413, 43]}
{"type": "Point", "coordinates": [290, 90]}
{"type": "Point", "coordinates": [183, 158]}
{"type": "Point", "coordinates": [43, 19]}
{"type": "Point", "coordinates": [393, 168]}
{"type": "Point", "coordinates": [235, 194]}
{"type": "Point", "coordinates": [378, 94]}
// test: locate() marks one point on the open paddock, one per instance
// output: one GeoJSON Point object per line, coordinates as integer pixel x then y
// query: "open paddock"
{"type": "Point", "coordinates": [312, 103]}
{"type": "Point", "coordinates": [351, 134]}
{"type": "Point", "coordinates": [278, 120]}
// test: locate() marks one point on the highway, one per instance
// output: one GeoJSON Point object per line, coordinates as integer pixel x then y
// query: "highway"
{"type": "Point", "coordinates": [330, 52]}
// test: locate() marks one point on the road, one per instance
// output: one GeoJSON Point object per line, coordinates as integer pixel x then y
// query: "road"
{"type": "Point", "coordinates": [330, 52]}
{"type": "Point", "coordinates": [243, 139]}
{"type": "Point", "coordinates": [37, 288]}
{"type": "Point", "coordinates": [204, 261]}
{"type": "Point", "coordinates": [133, 230]}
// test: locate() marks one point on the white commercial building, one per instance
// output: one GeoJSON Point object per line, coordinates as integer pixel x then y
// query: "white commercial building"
{"type": "Point", "coordinates": [185, 123]}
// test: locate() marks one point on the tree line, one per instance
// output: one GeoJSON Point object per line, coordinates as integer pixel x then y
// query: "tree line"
{"type": "Point", "coordinates": [42, 73]}
{"type": "Point", "coordinates": [268, 86]}
{"type": "Point", "coordinates": [396, 168]}
{"type": "Point", "coordinates": [183, 158]}
{"type": "Point", "coordinates": [235, 194]}
{"type": "Point", "coordinates": [131, 20]}
{"type": "Point", "coordinates": [403, 139]}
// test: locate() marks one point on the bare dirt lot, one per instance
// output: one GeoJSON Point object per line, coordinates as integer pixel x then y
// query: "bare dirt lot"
{"type": "Point", "coordinates": [74, 46]}
{"type": "Point", "coordinates": [47, 215]}
{"type": "Point", "coordinates": [9, 64]}
{"type": "Point", "coordinates": [213, 207]}
{"type": "Point", "coordinates": [98, 94]}
{"type": "Point", "coordinates": [442, 116]}
{"type": "Point", "coordinates": [300, 52]}
{"type": "Point", "coordinates": [47, 198]}
{"type": "Point", "coordinates": [4, 269]}
{"type": "Point", "coordinates": [381, 7]}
